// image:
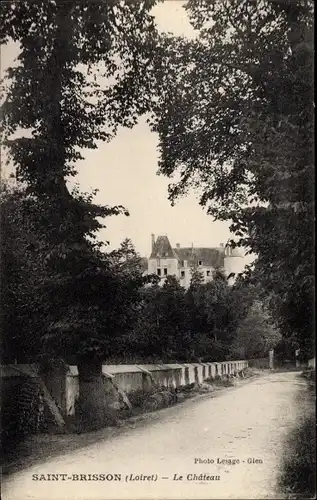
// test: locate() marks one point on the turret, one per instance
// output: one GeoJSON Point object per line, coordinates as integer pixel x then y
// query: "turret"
{"type": "Point", "coordinates": [234, 262]}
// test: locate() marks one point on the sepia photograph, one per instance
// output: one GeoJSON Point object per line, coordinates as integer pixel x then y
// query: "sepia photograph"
{"type": "Point", "coordinates": [157, 214]}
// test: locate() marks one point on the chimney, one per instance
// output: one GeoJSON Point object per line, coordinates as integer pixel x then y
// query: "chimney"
{"type": "Point", "coordinates": [153, 241]}
{"type": "Point", "coordinates": [178, 245]}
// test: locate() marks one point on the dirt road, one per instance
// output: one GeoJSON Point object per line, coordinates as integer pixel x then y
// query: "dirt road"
{"type": "Point", "coordinates": [229, 446]}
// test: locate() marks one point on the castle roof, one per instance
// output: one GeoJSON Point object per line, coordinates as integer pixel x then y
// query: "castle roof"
{"type": "Point", "coordinates": [213, 257]}
{"type": "Point", "coordinates": [209, 257]}
{"type": "Point", "coordinates": [162, 249]}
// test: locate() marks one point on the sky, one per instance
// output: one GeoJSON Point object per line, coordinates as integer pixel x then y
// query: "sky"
{"type": "Point", "coordinates": [124, 171]}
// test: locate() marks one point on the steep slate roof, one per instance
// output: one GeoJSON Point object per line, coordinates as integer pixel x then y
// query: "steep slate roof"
{"type": "Point", "coordinates": [213, 257]}
{"type": "Point", "coordinates": [162, 248]}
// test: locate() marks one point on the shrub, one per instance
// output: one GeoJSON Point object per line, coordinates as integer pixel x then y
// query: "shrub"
{"type": "Point", "coordinates": [224, 382]}
{"type": "Point", "coordinates": [138, 397]}
{"type": "Point", "coordinates": [188, 387]}
{"type": "Point", "coordinates": [210, 380]}
{"type": "Point", "coordinates": [298, 477]}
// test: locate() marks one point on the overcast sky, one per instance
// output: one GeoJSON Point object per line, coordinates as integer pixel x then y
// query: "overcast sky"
{"type": "Point", "coordinates": [124, 171]}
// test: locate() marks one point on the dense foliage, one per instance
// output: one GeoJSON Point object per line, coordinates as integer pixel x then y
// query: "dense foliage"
{"type": "Point", "coordinates": [101, 304]}
{"type": "Point", "coordinates": [233, 111]}
{"type": "Point", "coordinates": [235, 120]}
{"type": "Point", "coordinates": [81, 72]}
{"type": "Point", "coordinates": [80, 306]}
{"type": "Point", "coordinates": [205, 322]}
{"type": "Point", "coordinates": [256, 334]}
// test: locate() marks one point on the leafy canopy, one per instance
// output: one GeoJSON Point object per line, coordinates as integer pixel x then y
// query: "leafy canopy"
{"type": "Point", "coordinates": [81, 73]}
{"type": "Point", "coordinates": [235, 121]}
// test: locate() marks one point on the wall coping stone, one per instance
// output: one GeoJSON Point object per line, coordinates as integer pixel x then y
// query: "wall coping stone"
{"type": "Point", "coordinates": [122, 368]}
{"type": "Point", "coordinates": [158, 367]}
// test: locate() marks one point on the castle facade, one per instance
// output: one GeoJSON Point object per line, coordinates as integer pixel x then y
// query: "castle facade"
{"type": "Point", "coordinates": [180, 261]}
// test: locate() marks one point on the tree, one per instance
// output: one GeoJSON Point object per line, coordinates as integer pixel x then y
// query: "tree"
{"type": "Point", "coordinates": [45, 314]}
{"type": "Point", "coordinates": [196, 277]}
{"type": "Point", "coordinates": [174, 319]}
{"type": "Point", "coordinates": [54, 92]}
{"type": "Point", "coordinates": [127, 306]}
{"type": "Point", "coordinates": [220, 314]}
{"type": "Point", "coordinates": [235, 119]}
{"type": "Point", "coordinates": [127, 261]}
{"type": "Point", "coordinates": [45, 309]}
{"type": "Point", "coordinates": [162, 330]}
{"type": "Point", "coordinates": [200, 323]}
{"type": "Point", "coordinates": [81, 73]}
{"type": "Point", "coordinates": [21, 276]}
{"type": "Point", "coordinates": [146, 341]}
{"type": "Point", "coordinates": [256, 334]}
{"type": "Point", "coordinates": [215, 310]}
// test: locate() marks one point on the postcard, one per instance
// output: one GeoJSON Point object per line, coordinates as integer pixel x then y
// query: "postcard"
{"type": "Point", "coordinates": [157, 250]}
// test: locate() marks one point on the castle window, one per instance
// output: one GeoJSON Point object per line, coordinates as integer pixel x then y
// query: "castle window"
{"type": "Point", "coordinates": [200, 262]}
{"type": "Point", "coordinates": [182, 274]}
{"type": "Point", "coordinates": [159, 271]}
{"type": "Point", "coordinates": [208, 273]}
{"type": "Point", "coordinates": [165, 271]}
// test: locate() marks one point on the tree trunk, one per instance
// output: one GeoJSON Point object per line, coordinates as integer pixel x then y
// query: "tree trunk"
{"type": "Point", "coordinates": [93, 404]}
{"type": "Point", "coordinates": [55, 184]}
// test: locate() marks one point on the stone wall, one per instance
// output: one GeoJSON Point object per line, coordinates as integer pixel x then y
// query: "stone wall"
{"type": "Point", "coordinates": [130, 378]}
{"type": "Point", "coordinates": [63, 383]}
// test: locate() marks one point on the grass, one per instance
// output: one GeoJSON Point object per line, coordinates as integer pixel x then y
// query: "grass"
{"type": "Point", "coordinates": [298, 475]}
